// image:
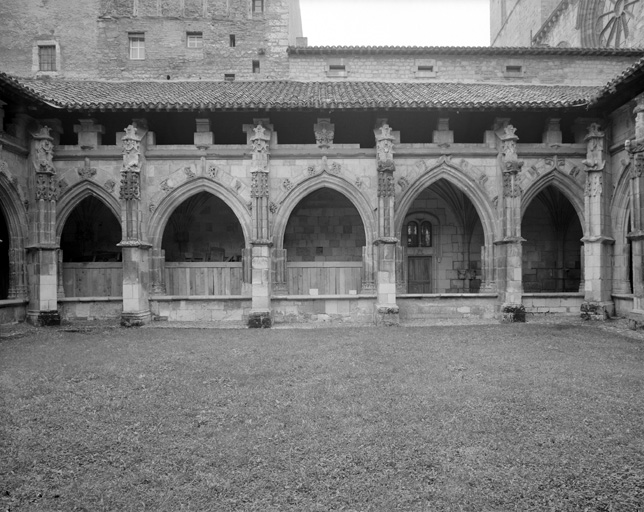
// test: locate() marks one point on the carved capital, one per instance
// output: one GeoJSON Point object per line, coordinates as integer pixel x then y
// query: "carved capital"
{"type": "Point", "coordinates": [385, 148]}
{"type": "Point", "coordinates": [43, 150]}
{"type": "Point", "coordinates": [130, 185]}
{"type": "Point", "coordinates": [131, 149]}
{"type": "Point", "coordinates": [386, 184]}
{"type": "Point", "coordinates": [259, 184]}
{"type": "Point", "coordinates": [46, 187]}
{"type": "Point", "coordinates": [595, 148]}
{"type": "Point", "coordinates": [594, 184]}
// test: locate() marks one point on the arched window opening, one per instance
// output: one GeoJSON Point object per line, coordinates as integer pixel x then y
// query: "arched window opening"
{"type": "Point", "coordinates": [91, 257]}
{"type": "Point", "coordinates": [552, 251]}
{"type": "Point", "coordinates": [4, 257]}
{"type": "Point", "coordinates": [203, 243]}
{"type": "Point", "coordinates": [412, 234]}
{"type": "Point", "coordinates": [426, 234]}
{"type": "Point", "coordinates": [324, 242]}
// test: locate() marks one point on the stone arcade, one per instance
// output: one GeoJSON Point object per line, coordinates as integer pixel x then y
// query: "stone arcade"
{"type": "Point", "coordinates": [226, 181]}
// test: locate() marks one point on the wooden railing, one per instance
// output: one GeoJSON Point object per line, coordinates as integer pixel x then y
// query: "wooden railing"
{"type": "Point", "coordinates": [97, 279]}
{"type": "Point", "coordinates": [203, 278]}
{"type": "Point", "coordinates": [327, 277]}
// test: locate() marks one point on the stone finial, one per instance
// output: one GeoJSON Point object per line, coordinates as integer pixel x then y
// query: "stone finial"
{"type": "Point", "coordinates": [43, 150]}
{"type": "Point", "coordinates": [595, 148]}
{"type": "Point", "coordinates": [509, 139]}
{"type": "Point", "coordinates": [385, 148]}
{"type": "Point", "coordinates": [131, 149]}
{"type": "Point", "coordinates": [324, 133]}
{"type": "Point", "coordinates": [259, 142]}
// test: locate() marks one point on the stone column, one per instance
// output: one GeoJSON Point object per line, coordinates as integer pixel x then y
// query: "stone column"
{"type": "Point", "coordinates": [261, 266]}
{"type": "Point", "coordinates": [387, 312]}
{"type": "Point", "coordinates": [597, 303]}
{"type": "Point", "coordinates": [42, 252]}
{"type": "Point", "coordinates": [509, 249]}
{"type": "Point", "coordinates": [203, 137]}
{"type": "Point", "coordinates": [635, 149]}
{"type": "Point", "coordinates": [89, 133]}
{"type": "Point", "coordinates": [135, 251]}
{"type": "Point", "coordinates": [488, 282]}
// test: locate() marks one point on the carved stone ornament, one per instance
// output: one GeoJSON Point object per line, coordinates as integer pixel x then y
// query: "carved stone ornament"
{"type": "Point", "coordinates": [403, 183]}
{"type": "Point", "coordinates": [312, 170]}
{"type": "Point", "coordinates": [359, 182]}
{"type": "Point", "coordinates": [62, 185]}
{"type": "Point", "coordinates": [273, 207]}
{"type": "Point", "coordinates": [574, 172]}
{"type": "Point", "coordinates": [131, 150]}
{"type": "Point", "coordinates": [87, 171]}
{"type": "Point", "coordinates": [510, 186]}
{"type": "Point", "coordinates": [152, 207]}
{"type": "Point", "coordinates": [594, 184]}
{"type": "Point", "coordinates": [109, 185]}
{"type": "Point", "coordinates": [259, 184]}
{"type": "Point", "coordinates": [44, 151]}
{"type": "Point", "coordinates": [166, 186]}
{"type": "Point", "coordinates": [213, 171]}
{"type": "Point", "coordinates": [385, 149]}
{"type": "Point", "coordinates": [46, 187]}
{"type": "Point", "coordinates": [638, 165]}
{"type": "Point", "coordinates": [595, 148]}
{"type": "Point", "coordinates": [386, 184]}
{"type": "Point", "coordinates": [130, 185]}
{"type": "Point", "coordinates": [324, 133]}
{"type": "Point", "coordinates": [287, 185]}
{"type": "Point", "coordinates": [259, 142]}
{"type": "Point", "coordinates": [249, 206]}
{"type": "Point", "coordinates": [189, 172]}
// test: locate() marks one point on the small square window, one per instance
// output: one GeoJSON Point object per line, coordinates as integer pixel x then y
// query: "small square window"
{"type": "Point", "coordinates": [336, 68]}
{"type": "Point", "coordinates": [232, 41]}
{"type": "Point", "coordinates": [47, 58]}
{"type": "Point", "coordinates": [255, 66]}
{"type": "Point", "coordinates": [137, 46]}
{"type": "Point", "coordinates": [513, 69]}
{"type": "Point", "coordinates": [258, 6]}
{"type": "Point", "coordinates": [229, 77]}
{"type": "Point", "coordinates": [194, 40]}
{"type": "Point", "coordinates": [425, 68]}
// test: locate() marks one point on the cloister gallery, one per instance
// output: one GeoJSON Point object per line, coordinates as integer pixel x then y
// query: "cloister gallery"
{"type": "Point", "coordinates": [356, 185]}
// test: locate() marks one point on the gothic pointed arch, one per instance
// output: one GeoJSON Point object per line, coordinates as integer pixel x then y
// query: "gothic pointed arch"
{"type": "Point", "coordinates": [621, 202]}
{"type": "Point", "coordinates": [338, 184]}
{"type": "Point", "coordinates": [73, 196]}
{"type": "Point", "coordinates": [13, 207]}
{"type": "Point", "coordinates": [460, 179]}
{"type": "Point", "coordinates": [12, 203]}
{"type": "Point", "coordinates": [162, 212]}
{"type": "Point", "coordinates": [570, 188]}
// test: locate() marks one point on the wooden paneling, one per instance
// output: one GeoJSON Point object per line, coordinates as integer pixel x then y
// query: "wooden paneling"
{"type": "Point", "coordinates": [328, 277]}
{"type": "Point", "coordinates": [203, 278]}
{"type": "Point", "coordinates": [100, 279]}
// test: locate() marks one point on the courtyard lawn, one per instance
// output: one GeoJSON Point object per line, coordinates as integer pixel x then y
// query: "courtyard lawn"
{"type": "Point", "coordinates": [513, 417]}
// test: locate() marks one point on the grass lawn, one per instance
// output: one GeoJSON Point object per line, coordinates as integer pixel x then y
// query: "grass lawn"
{"type": "Point", "coordinates": [477, 418]}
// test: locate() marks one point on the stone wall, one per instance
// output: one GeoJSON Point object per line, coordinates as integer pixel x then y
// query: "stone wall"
{"type": "Point", "coordinates": [537, 69]}
{"type": "Point", "coordinates": [92, 38]}
{"type": "Point", "coordinates": [522, 19]}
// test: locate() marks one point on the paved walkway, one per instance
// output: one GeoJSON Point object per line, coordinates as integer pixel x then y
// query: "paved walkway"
{"type": "Point", "coordinates": [613, 326]}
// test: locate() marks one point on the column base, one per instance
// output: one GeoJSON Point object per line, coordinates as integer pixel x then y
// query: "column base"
{"type": "Point", "coordinates": [635, 320]}
{"type": "Point", "coordinates": [598, 311]}
{"type": "Point", "coordinates": [260, 320]}
{"type": "Point", "coordinates": [136, 319]}
{"type": "Point", "coordinates": [387, 315]}
{"type": "Point", "coordinates": [43, 318]}
{"type": "Point", "coordinates": [512, 313]}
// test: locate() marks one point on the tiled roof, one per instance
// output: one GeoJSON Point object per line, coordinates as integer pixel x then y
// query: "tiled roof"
{"type": "Point", "coordinates": [292, 95]}
{"type": "Point", "coordinates": [464, 50]}
{"type": "Point", "coordinates": [634, 72]}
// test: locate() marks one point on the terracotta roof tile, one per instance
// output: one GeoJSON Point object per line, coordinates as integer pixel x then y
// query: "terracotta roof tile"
{"type": "Point", "coordinates": [292, 95]}
{"type": "Point", "coordinates": [634, 72]}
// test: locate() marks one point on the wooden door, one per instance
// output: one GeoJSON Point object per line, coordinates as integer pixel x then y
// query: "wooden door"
{"type": "Point", "coordinates": [419, 277]}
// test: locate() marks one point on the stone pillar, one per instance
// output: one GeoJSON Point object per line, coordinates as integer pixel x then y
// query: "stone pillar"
{"type": "Point", "coordinates": [552, 135]}
{"type": "Point", "coordinates": [488, 282]}
{"type": "Point", "coordinates": [261, 313]}
{"type": "Point", "coordinates": [157, 272]}
{"type": "Point", "coordinates": [597, 303]}
{"type": "Point", "coordinates": [635, 149]}
{"type": "Point", "coordinates": [18, 288]}
{"type": "Point", "coordinates": [387, 312]}
{"type": "Point", "coordinates": [324, 133]}
{"type": "Point", "coordinates": [135, 251]}
{"type": "Point", "coordinates": [443, 136]}
{"type": "Point", "coordinates": [509, 249]}
{"type": "Point", "coordinates": [203, 137]}
{"type": "Point", "coordinates": [89, 133]}
{"type": "Point", "coordinates": [42, 252]}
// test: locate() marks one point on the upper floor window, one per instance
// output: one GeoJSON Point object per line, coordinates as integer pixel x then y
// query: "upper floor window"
{"type": "Point", "coordinates": [47, 58]}
{"type": "Point", "coordinates": [419, 235]}
{"type": "Point", "coordinates": [194, 40]}
{"type": "Point", "coordinates": [137, 46]}
{"type": "Point", "coordinates": [258, 6]}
